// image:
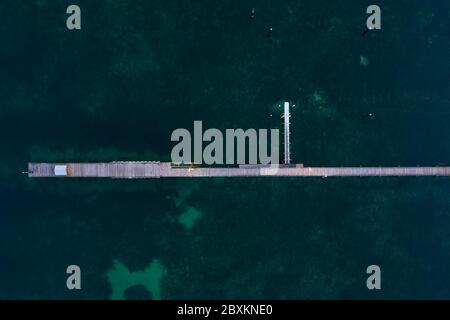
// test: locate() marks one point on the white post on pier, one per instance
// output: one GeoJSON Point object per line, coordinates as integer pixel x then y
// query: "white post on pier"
{"type": "Point", "coordinates": [287, 152]}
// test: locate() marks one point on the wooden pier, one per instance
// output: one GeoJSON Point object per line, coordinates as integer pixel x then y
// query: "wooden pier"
{"type": "Point", "coordinates": [142, 170]}
{"type": "Point", "coordinates": [156, 169]}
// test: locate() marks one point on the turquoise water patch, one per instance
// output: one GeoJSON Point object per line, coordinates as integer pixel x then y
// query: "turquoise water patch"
{"type": "Point", "coordinates": [189, 218]}
{"type": "Point", "coordinates": [121, 279]}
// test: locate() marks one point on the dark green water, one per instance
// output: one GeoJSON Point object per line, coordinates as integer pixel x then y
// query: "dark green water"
{"type": "Point", "coordinates": [139, 69]}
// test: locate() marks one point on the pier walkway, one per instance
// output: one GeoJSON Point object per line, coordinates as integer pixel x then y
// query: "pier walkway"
{"type": "Point", "coordinates": [136, 170]}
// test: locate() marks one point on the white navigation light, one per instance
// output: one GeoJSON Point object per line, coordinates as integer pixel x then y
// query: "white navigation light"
{"type": "Point", "coordinates": [60, 170]}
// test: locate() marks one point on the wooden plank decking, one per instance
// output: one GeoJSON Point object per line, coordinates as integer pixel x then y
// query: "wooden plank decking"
{"type": "Point", "coordinates": [130, 170]}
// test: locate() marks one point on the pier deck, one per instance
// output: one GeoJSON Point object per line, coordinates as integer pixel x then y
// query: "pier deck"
{"type": "Point", "coordinates": [136, 170]}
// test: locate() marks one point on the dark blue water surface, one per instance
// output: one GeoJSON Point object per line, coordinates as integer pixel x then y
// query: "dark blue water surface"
{"type": "Point", "coordinates": [138, 69]}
